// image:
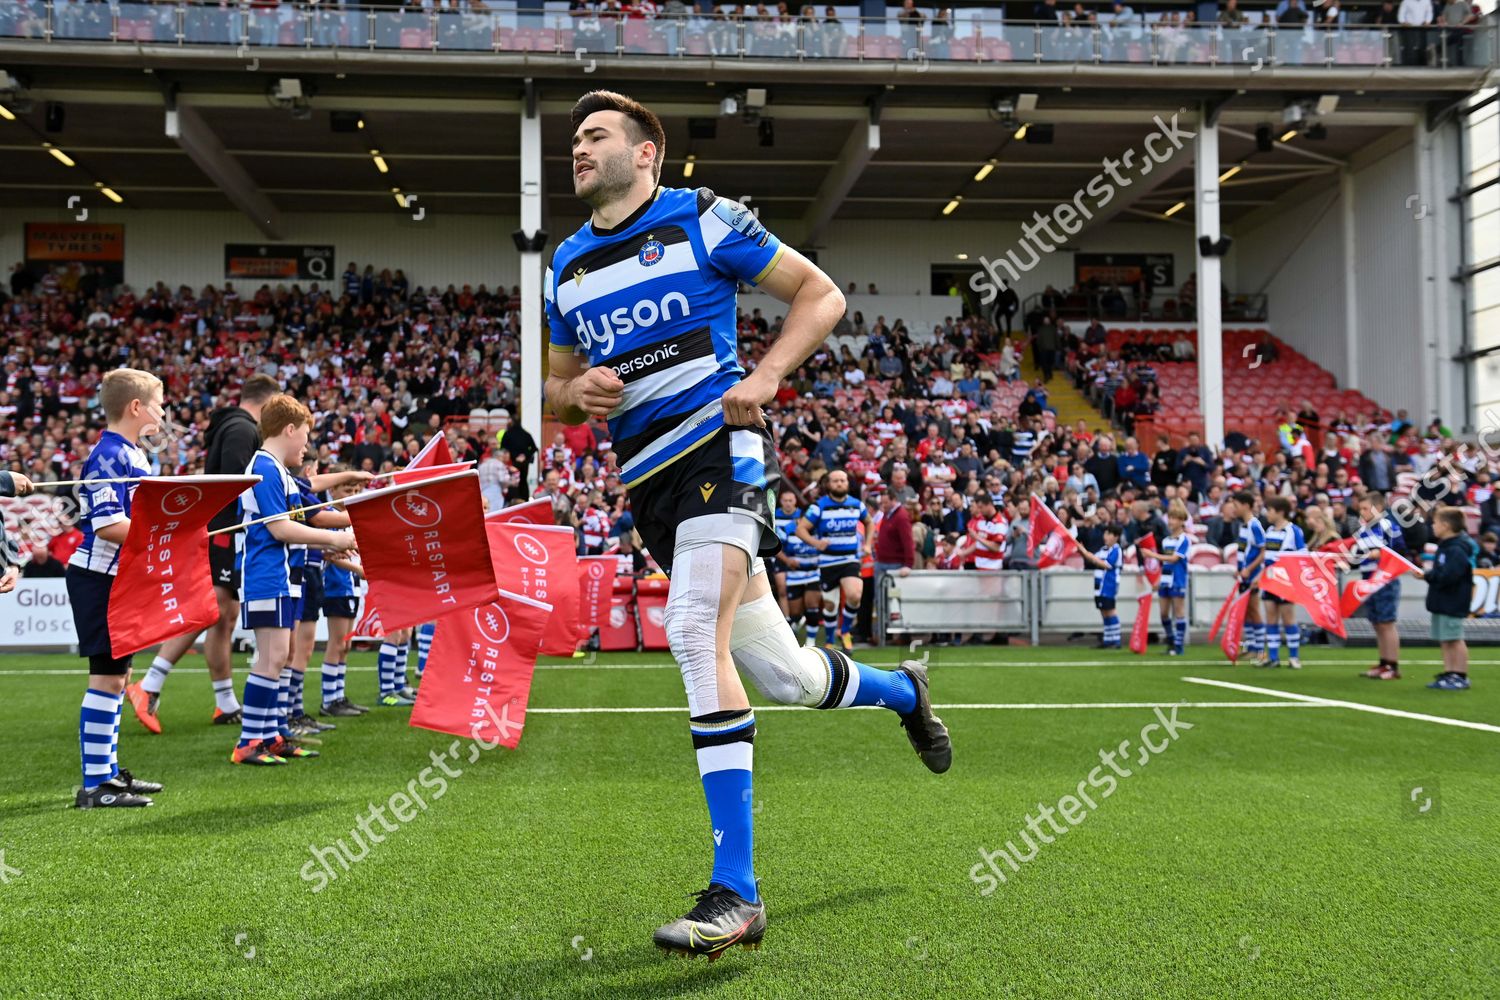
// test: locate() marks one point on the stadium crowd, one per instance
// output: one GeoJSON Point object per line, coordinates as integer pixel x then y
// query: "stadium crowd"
{"type": "Point", "coordinates": [927, 427]}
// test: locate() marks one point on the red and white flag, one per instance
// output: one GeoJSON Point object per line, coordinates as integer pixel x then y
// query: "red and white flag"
{"type": "Point", "coordinates": [540, 561]}
{"type": "Point", "coordinates": [1308, 581]}
{"type": "Point", "coordinates": [414, 474]}
{"type": "Point", "coordinates": [1140, 632]}
{"type": "Point", "coordinates": [1145, 550]}
{"type": "Point", "coordinates": [478, 677]}
{"type": "Point", "coordinates": [1234, 626]}
{"type": "Point", "coordinates": [1048, 533]}
{"type": "Point", "coordinates": [416, 546]}
{"type": "Point", "coordinates": [1390, 566]}
{"type": "Point", "coordinates": [164, 587]}
{"type": "Point", "coordinates": [368, 625]}
{"type": "Point", "coordinates": [1234, 593]}
{"type": "Point", "coordinates": [434, 452]}
{"type": "Point", "coordinates": [537, 511]}
{"type": "Point", "coordinates": [596, 588]}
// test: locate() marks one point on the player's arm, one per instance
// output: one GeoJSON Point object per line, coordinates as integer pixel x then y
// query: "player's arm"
{"type": "Point", "coordinates": [805, 532]}
{"type": "Point", "coordinates": [578, 391]}
{"type": "Point", "coordinates": [325, 481]}
{"type": "Point", "coordinates": [329, 518]}
{"type": "Point", "coordinates": [348, 565]}
{"type": "Point", "coordinates": [289, 532]}
{"type": "Point", "coordinates": [114, 532]}
{"type": "Point", "coordinates": [814, 304]}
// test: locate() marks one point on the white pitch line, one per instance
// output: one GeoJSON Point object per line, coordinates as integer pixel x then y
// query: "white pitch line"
{"type": "Point", "coordinates": [1357, 706]}
{"type": "Point", "coordinates": [993, 706]}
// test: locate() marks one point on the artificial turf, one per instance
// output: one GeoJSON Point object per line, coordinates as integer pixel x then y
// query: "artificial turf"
{"type": "Point", "coordinates": [1268, 852]}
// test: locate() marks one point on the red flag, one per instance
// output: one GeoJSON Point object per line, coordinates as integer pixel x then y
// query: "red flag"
{"type": "Point", "coordinates": [410, 474]}
{"type": "Point", "coordinates": [1234, 626]}
{"type": "Point", "coordinates": [540, 562]}
{"type": "Point", "coordinates": [1308, 581]}
{"type": "Point", "coordinates": [1341, 545]}
{"type": "Point", "coordinates": [478, 677]}
{"type": "Point", "coordinates": [434, 452]}
{"type": "Point", "coordinates": [1142, 628]}
{"type": "Point", "coordinates": [164, 587]}
{"type": "Point", "coordinates": [1387, 569]}
{"type": "Point", "coordinates": [596, 586]}
{"type": "Point", "coordinates": [531, 512]}
{"type": "Point", "coordinates": [1234, 592]}
{"type": "Point", "coordinates": [416, 544]}
{"type": "Point", "coordinates": [1047, 531]}
{"type": "Point", "coordinates": [369, 625]}
{"type": "Point", "coordinates": [1150, 564]}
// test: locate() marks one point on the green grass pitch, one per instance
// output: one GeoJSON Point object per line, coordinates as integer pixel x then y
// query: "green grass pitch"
{"type": "Point", "coordinates": [1276, 851]}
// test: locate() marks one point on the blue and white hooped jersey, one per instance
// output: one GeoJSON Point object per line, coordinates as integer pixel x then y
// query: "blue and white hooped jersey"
{"type": "Point", "coordinates": [838, 521]}
{"type": "Point", "coordinates": [312, 559]}
{"type": "Point", "coordinates": [654, 299]}
{"type": "Point", "coordinates": [1371, 537]}
{"type": "Point", "coordinates": [804, 572]}
{"type": "Point", "coordinates": [104, 504]}
{"type": "Point", "coordinates": [1175, 574]}
{"type": "Point", "coordinates": [266, 565]}
{"type": "Point", "coordinates": [1107, 581]}
{"type": "Point", "coordinates": [338, 581]}
{"type": "Point", "coordinates": [1252, 540]}
{"type": "Point", "coordinates": [1280, 541]}
{"type": "Point", "coordinates": [786, 524]}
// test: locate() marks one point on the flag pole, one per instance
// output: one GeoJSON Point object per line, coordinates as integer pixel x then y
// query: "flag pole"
{"type": "Point", "coordinates": [275, 517]}
{"type": "Point", "coordinates": [89, 482]}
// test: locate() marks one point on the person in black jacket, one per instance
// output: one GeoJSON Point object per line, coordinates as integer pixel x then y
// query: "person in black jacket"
{"type": "Point", "coordinates": [12, 484]}
{"type": "Point", "coordinates": [229, 444]}
{"type": "Point", "coordinates": [1450, 591]}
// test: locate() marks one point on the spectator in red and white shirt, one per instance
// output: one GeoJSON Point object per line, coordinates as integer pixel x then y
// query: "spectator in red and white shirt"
{"type": "Point", "coordinates": [989, 532]}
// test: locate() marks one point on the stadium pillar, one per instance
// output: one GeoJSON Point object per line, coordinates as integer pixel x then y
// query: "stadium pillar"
{"type": "Point", "coordinates": [534, 351]}
{"type": "Point", "coordinates": [1210, 319]}
{"type": "Point", "coordinates": [1351, 277]}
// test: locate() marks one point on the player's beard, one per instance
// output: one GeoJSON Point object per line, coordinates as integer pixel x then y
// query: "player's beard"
{"type": "Point", "coordinates": [612, 179]}
{"type": "Point", "coordinates": [838, 494]}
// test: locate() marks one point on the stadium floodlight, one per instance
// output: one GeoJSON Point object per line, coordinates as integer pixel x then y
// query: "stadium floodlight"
{"type": "Point", "coordinates": [6, 113]}
{"type": "Point", "coordinates": [111, 195]}
{"type": "Point", "coordinates": [1175, 209]}
{"type": "Point", "coordinates": [1021, 132]}
{"type": "Point", "coordinates": [380, 163]}
{"type": "Point", "coordinates": [59, 155]}
{"type": "Point", "coordinates": [1231, 172]}
{"type": "Point", "coordinates": [1289, 135]}
{"type": "Point", "coordinates": [985, 170]}
{"type": "Point", "coordinates": [687, 166]}
{"type": "Point", "coordinates": [949, 208]}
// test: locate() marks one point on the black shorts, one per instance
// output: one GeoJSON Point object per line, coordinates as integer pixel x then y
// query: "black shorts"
{"type": "Point", "coordinates": [1104, 603]}
{"type": "Point", "coordinates": [1279, 602]}
{"type": "Point", "coordinates": [88, 595]}
{"type": "Point", "coordinates": [830, 576]}
{"type": "Point", "coordinates": [340, 607]}
{"type": "Point", "coordinates": [795, 592]}
{"type": "Point", "coordinates": [223, 562]}
{"type": "Point", "coordinates": [774, 567]}
{"type": "Point", "coordinates": [704, 482]}
{"type": "Point", "coordinates": [312, 593]}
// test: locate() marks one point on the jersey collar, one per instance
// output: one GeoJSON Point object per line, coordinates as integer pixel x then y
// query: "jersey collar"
{"type": "Point", "coordinates": [630, 220]}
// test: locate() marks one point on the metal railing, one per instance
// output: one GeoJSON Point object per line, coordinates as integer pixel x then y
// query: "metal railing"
{"type": "Point", "coordinates": [1165, 304]}
{"type": "Point", "coordinates": [592, 37]}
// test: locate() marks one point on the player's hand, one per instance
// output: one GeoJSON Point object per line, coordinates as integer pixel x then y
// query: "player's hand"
{"type": "Point", "coordinates": [24, 486]}
{"type": "Point", "coordinates": [355, 477]}
{"type": "Point", "coordinates": [743, 402]}
{"type": "Point", "coordinates": [598, 391]}
{"type": "Point", "coordinates": [342, 541]}
{"type": "Point", "coordinates": [8, 579]}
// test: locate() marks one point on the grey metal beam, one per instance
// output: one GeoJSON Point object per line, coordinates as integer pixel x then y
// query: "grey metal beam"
{"type": "Point", "coordinates": [186, 127]}
{"type": "Point", "coordinates": [862, 144]}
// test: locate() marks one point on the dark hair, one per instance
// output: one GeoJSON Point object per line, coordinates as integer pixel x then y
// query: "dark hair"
{"type": "Point", "coordinates": [1111, 528]}
{"type": "Point", "coordinates": [259, 388]}
{"type": "Point", "coordinates": [1453, 518]}
{"type": "Point", "coordinates": [1243, 496]}
{"type": "Point", "coordinates": [644, 125]}
{"type": "Point", "coordinates": [1281, 505]}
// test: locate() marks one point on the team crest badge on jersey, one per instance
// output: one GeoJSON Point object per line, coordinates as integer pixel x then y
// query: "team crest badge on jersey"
{"type": "Point", "coordinates": [651, 252]}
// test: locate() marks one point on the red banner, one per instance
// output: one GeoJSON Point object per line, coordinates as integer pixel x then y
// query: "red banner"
{"type": "Point", "coordinates": [369, 625]}
{"type": "Point", "coordinates": [1387, 569]}
{"type": "Point", "coordinates": [540, 562]}
{"type": "Point", "coordinates": [1142, 628]}
{"type": "Point", "coordinates": [531, 512]}
{"type": "Point", "coordinates": [416, 544]}
{"type": "Point", "coordinates": [164, 587]}
{"type": "Point", "coordinates": [1047, 531]}
{"type": "Point", "coordinates": [596, 587]}
{"type": "Point", "coordinates": [1234, 592]}
{"type": "Point", "coordinates": [1234, 626]}
{"type": "Point", "coordinates": [1308, 581]}
{"type": "Point", "coordinates": [1149, 563]}
{"type": "Point", "coordinates": [478, 677]}
{"type": "Point", "coordinates": [434, 452]}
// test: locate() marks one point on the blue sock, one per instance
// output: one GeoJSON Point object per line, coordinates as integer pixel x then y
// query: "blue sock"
{"type": "Point", "coordinates": [98, 735]}
{"type": "Point", "coordinates": [1181, 630]}
{"type": "Point", "coordinates": [403, 653]}
{"type": "Point", "coordinates": [294, 693]}
{"type": "Point", "coordinates": [725, 744]}
{"type": "Point", "coordinates": [850, 616]}
{"type": "Point", "coordinates": [1112, 631]}
{"type": "Point", "coordinates": [1293, 635]}
{"type": "Point", "coordinates": [343, 673]}
{"type": "Point", "coordinates": [386, 664]}
{"type": "Point", "coordinates": [284, 703]}
{"type": "Point", "coordinates": [853, 685]}
{"type": "Point", "coordinates": [424, 645]}
{"type": "Point", "coordinates": [830, 626]}
{"type": "Point", "coordinates": [1273, 642]}
{"type": "Point", "coordinates": [258, 709]}
{"type": "Point", "coordinates": [332, 674]}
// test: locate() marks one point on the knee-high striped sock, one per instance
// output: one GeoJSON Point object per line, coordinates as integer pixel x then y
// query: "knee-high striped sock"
{"type": "Point", "coordinates": [725, 745]}
{"type": "Point", "coordinates": [1293, 635]}
{"type": "Point", "coordinates": [343, 673]}
{"type": "Point", "coordinates": [294, 693]}
{"type": "Point", "coordinates": [1273, 642]}
{"type": "Point", "coordinates": [1258, 637]}
{"type": "Point", "coordinates": [331, 675]}
{"type": "Point", "coordinates": [1112, 631]}
{"type": "Point", "coordinates": [814, 618]}
{"type": "Point", "coordinates": [284, 702]}
{"type": "Point", "coordinates": [156, 677]}
{"type": "Point", "coordinates": [98, 730]}
{"type": "Point", "coordinates": [830, 626]}
{"type": "Point", "coordinates": [258, 716]}
{"type": "Point", "coordinates": [403, 653]}
{"type": "Point", "coordinates": [424, 645]}
{"type": "Point", "coordinates": [849, 617]}
{"type": "Point", "coordinates": [224, 698]}
{"type": "Point", "coordinates": [1180, 627]}
{"type": "Point", "coordinates": [854, 685]}
{"type": "Point", "coordinates": [387, 667]}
